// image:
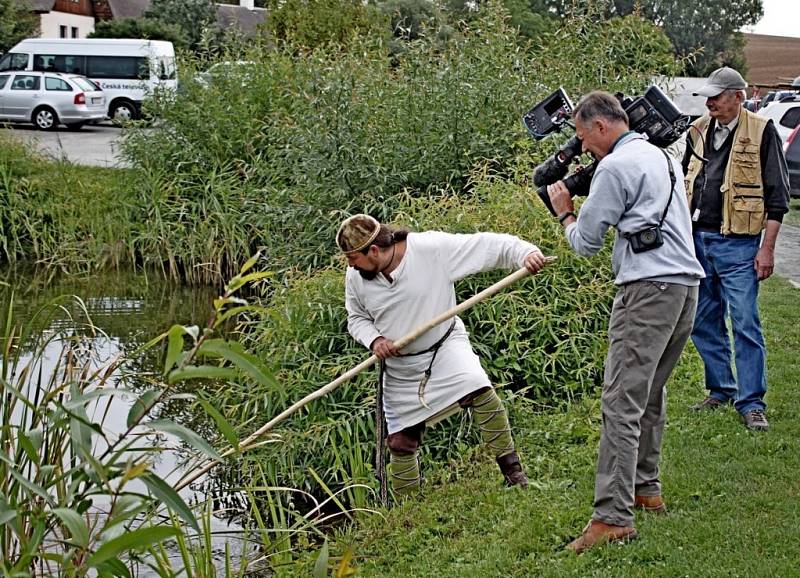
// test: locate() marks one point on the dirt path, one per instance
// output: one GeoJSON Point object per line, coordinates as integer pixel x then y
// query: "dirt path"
{"type": "Point", "coordinates": [787, 254]}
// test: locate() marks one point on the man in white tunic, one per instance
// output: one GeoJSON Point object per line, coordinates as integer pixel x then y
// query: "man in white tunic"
{"type": "Point", "coordinates": [396, 282]}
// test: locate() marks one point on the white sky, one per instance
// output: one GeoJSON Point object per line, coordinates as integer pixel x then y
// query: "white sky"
{"type": "Point", "coordinates": [781, 18]}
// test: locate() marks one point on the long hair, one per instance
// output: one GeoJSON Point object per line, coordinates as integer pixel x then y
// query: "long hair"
{"type": "Point", "coordinates": [387, 236]}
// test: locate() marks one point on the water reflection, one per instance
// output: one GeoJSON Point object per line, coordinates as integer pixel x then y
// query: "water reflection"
{"type": "Point", "coordinates": [114, 314]}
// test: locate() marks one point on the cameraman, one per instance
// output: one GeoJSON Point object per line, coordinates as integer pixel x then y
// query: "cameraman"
{"type": "Point", "coordinates": [653, 309]}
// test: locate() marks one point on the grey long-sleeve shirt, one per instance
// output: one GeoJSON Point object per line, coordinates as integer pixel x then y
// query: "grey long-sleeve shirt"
{"type": "Point", "coordinates": [629, 191]}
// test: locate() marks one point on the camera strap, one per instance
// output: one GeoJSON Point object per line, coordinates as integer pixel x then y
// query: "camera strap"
{"type": "Point", "coordinates": [671, 187]}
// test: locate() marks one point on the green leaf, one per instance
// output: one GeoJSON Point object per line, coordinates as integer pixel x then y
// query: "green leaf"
{"type": "Point", "coordinates": [202, 372]}
{"type": "Point", "coordinates": [249, 263]}
{"type": "Point", "coordinates": [7, 513]}
{"type": "Point", "coordinates": [113, 567]}
{"type": "Point", "coordinates": [76, 525]}
{"type": "Point", "coordinates": [186, 435]}
{"type": "Point", "coordinates": [141, 405]}
{"type": "Point", "coordinates": [174, 346]}
{"type": "Point", "coordinates": [236, 354]}
{"type": "Point", "coordinates": [224, 427]}
{"type": "Point", "coordinates": [27, 445]}
{"type": "Point", "coordinates": [161, 490]}
{"type": "Point", "coordinates": [133, 540]}
{"type": "Point", "coordinates": [321, 565]}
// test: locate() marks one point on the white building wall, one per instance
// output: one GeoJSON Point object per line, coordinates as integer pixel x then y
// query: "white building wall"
{"type": "Point", "coordinates": [53, 21]}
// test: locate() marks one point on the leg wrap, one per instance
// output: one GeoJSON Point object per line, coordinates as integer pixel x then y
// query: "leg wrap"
{"type": "Point", "coordinates": [403, 459]}
{"type": "Point", "coordinates": [492, 420]}
{"type": "Point", "coordinates": [404, 472]}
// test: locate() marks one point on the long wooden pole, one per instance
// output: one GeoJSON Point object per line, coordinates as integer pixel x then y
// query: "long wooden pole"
{"type": "Point", "coordinates": [250, 441]}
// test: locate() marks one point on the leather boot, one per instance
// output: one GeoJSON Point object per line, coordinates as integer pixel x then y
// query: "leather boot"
{"type": "Point", "coordinates": [653, 504]}
{"type": "Point", "coordinates": [512, 470]}
{"type": "Point", "coordinates": [597, 533]}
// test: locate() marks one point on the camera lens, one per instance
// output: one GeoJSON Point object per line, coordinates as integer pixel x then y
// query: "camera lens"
{"type": "Point", "coordinates": [648, 236]}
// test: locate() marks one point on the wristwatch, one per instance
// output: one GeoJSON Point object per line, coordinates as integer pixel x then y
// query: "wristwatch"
{"type": "Point", "coordinates": [563, 216]}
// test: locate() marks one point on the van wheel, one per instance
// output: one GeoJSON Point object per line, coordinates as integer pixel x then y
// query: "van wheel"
{"type": "Point", "coordinates": [75, 126]}
{"type": "Point", "coordinates": [45, 118]}
{"type": "Point", "coordinates": [122, 112]}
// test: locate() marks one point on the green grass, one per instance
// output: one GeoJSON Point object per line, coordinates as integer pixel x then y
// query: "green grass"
{"type": "Point", "coordinates": [793, 216]}
{"type": "Point", "coordinates": [734, 495]}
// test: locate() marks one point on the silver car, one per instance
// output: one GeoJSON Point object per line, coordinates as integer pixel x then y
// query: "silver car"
{"type": "Point", "coordinates": [48, 99]}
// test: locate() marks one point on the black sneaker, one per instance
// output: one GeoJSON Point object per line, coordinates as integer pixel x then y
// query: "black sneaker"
{"type": "Point", "coordinates": [710, 403]}
{"type": "Point", "coordinates": [756, 420]}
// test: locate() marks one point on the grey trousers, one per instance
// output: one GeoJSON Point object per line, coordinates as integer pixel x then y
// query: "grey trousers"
{"type": "Point", "coordinates": [650, 324]}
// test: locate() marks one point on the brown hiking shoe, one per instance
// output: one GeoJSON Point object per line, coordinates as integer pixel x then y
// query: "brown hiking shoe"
{"type": "Point", "coordinates": [756, 420]}
{"type": "Point", "coordinates": [512, 470]}
{"type": "Point", "coordinates": [710, 403]}
{"type": "Point", "coordinates": [653, 504]}
{"type": "Point", "coordinates": [597, 533]}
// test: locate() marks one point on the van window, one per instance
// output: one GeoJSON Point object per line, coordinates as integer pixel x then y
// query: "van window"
{"type": "Point", "coordinates": [53, 83]}
{"type": "Point", "coordinates": [26, 82]}
{"type": "Point", "coordinates": [59, 63]}
{"type": "Point", "coordinates": [14, 61]}
{"type": "Point", "coordinates": [3, 79]}
{"type": "Point", "coordinates": [125, 67]}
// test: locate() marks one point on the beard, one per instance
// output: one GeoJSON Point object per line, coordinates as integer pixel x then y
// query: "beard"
{"type": "Point", "coordinates": [368, 275]}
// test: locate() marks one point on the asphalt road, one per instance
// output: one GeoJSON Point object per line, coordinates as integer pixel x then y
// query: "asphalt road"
{"type": "Point", "coordinates": [94, 145]}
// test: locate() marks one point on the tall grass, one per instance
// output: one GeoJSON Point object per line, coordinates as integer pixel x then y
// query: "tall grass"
{"type": "Point", "coordinates": [80, 493]}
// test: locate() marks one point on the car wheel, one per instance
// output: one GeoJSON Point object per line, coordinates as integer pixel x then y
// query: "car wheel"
{"type": "Point", "coordinates": [45, 118]}
{"type": "Point", "coordinates": [122, 112]}
{"type": "Point", "coordinates": [75, 126]}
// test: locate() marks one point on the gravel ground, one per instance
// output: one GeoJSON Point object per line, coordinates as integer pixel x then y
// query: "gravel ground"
{"type": "Point", "coordinates": [787, 254]}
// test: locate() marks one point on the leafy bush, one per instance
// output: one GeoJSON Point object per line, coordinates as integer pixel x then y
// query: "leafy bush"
{"type": "Point", "coordinates": [273, 158]}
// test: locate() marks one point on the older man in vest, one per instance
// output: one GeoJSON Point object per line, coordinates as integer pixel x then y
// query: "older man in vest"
{"type": "Point", "coordinates": [738, 188]}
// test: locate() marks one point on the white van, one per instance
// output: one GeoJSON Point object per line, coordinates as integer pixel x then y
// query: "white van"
{"type": "Point", "coordinates": [126, 70]}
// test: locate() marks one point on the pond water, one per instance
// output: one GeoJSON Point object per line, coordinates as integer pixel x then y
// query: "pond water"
{"type": "Point", "coordinates": [115, 313]}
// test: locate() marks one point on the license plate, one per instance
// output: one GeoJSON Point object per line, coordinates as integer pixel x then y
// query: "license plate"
{"type": "Point", "coordinates": [97, 100]}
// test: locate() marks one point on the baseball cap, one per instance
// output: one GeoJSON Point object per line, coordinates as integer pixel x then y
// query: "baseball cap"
{"type": "Point", "coordinates": [721, 79]}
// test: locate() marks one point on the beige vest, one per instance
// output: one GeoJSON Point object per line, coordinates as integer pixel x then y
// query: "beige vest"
{"type": "Point", "coordinates": [743, 211]}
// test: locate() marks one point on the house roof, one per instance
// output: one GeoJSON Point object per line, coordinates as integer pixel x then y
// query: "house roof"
{"type": "Point", "coordinates": [128, 8]}
{"type": "Point", "coordinates": [771, 59]}
{"type": "Point", "coordinates": [243, 18]}
{"type": "Point", "coordinates": [38, 5]}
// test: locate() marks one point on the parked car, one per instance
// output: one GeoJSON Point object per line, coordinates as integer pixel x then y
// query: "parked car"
{"type": "Point", "coordinates": [48, 99]}
{"type": "Point", "coordinates": [240, 70]}
{"type": "Point", "coordinates": [785, 115]}
{"type": "Point", "coordinates": [792, 150]}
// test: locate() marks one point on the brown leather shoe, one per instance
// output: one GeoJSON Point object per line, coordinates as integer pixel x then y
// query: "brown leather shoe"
{"type": "Point", "coordinates": [597, 533]}
{"type": "Point", "coordinates": [512, 470]}
{"type": "Point", "coordinates": [710, 403]}
{"type": "Point", "coordinates": [653, 504]}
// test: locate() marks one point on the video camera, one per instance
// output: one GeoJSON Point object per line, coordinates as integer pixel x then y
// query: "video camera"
{"type": "Point", "coordinates": [652, 114]}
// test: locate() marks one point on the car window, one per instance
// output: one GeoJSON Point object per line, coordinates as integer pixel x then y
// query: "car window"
{"type": "Point", "coordinates": [3, 79]}
{"type": "Point", "coordinates": [84, 84]}
{"type": "Point", "coordinates": [14, 61]}
{"type": "Point", "coordinates": [791, 117]}
{"type": "Point", "coordinates": [53, 83]}
{"type": "Point", "coordinates": [25, 82]}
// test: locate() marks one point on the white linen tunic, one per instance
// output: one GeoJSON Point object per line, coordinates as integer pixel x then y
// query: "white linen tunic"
{"type": "Point", "coordinates": [422, 288]}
